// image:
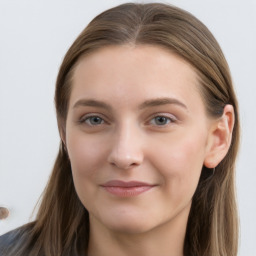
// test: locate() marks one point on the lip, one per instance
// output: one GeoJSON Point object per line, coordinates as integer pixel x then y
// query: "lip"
{"type": "Point", "coordinates": [126, 189]}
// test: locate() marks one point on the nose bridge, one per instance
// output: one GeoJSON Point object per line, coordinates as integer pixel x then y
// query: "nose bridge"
{"type": "Point", "coordinates": [127, 147]}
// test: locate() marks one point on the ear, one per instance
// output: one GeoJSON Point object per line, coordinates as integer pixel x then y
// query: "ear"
{"type": "Point", "coordinates": [220, 137]}
{"type": "Point", "coordinates": [62, 132]}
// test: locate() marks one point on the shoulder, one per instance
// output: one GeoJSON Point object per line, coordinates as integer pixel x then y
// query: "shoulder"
{"type": "Point", "coordinates": [13, 239]}
{"type": "Point", "coordinates": [11, 236]}
{"type": "Point", "coordinates": [20, 242]}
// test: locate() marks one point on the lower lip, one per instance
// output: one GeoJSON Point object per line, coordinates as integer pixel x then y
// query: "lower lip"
{"type": "Point", "coordinates": [127, 191]}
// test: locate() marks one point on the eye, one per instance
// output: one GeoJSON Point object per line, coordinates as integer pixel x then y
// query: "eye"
{"type": "Point", "coordinates": [93, 120]}
{"type": "Point", "coordinates": [161, 120]}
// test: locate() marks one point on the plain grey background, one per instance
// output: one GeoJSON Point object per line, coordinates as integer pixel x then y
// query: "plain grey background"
{"type": "Point", "coordinates": [35, 35]}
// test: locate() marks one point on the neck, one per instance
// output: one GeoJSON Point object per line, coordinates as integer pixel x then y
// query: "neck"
{"type": "Point", "coordinates": [165, 240]}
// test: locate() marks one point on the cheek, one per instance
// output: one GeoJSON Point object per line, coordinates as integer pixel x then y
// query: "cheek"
{"type": "Point", "coordinates": [180, 152]}
{"type": "Point", "coordinates": [86, 156]}
{"type": "Point", "coordinates": [180, 161]}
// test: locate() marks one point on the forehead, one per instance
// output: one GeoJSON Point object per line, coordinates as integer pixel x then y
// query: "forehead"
{"type": "Point", "coordinates": [132, 73]}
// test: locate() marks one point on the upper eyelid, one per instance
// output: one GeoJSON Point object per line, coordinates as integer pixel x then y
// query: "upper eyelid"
{"type": "Point", "coordinates": [93, 114]}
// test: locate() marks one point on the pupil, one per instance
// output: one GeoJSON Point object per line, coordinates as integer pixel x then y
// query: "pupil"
{"type": "Point", "coordinates": [96, 120]}
{"type": "Point", "coordinates": [161, 120]}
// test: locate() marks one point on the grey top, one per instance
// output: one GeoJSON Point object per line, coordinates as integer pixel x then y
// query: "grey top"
{"type": "Point", "coordinates": [11, 240]}
{"type": "Point", "coordinates": [11, 244]}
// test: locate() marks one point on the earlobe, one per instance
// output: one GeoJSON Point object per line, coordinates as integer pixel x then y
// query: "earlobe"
{"type": "Point", "coordinates": [220, 137]}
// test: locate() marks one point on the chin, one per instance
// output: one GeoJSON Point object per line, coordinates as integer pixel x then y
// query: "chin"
{"type": "Point", "coordinates": [129, 223]}
{"type": "Point", "coordinates": [130, 227]}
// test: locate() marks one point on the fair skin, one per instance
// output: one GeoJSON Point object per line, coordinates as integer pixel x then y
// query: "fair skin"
{"type": "Point", "coordinates": [136, 114]}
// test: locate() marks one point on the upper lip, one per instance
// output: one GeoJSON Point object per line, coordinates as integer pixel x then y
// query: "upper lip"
{"type": "Point", "coordinates": [125, 184]}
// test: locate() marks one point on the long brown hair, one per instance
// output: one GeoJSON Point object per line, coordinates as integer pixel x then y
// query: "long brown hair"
{"type": "Point", "coordinates": [62, 223]}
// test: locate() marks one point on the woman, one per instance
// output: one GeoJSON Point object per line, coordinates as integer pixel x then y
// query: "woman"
{"type": "Point", "coordinates": [149, 129]}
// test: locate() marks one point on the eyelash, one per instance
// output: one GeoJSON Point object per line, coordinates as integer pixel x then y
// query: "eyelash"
{"type": "Point", "coordinates": [169, 119]}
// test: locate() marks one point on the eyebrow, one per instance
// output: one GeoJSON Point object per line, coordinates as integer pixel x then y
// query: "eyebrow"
{"type": "Point", "coordinates": [162, 101]}
{"type": "Point", "coordinates": [145, 104]}
{"type": "Point", "coordinates": [92, 103]}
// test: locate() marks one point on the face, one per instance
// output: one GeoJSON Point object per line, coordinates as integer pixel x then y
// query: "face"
{"type": "Point", "coordinates": [136, 135]}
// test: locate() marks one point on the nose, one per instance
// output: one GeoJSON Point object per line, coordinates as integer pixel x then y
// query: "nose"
{"type": "Point", "coordinates": [127, 148]}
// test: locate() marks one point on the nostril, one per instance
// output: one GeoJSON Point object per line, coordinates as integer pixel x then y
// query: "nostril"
{"type": "Point", "coordinates": [4, 213]}
{"type": "Point", "coordinates": [124, 165]}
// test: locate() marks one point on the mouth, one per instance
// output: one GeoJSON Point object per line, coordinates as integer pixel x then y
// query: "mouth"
{"type": "Point", "coordinates": [126, 189]}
